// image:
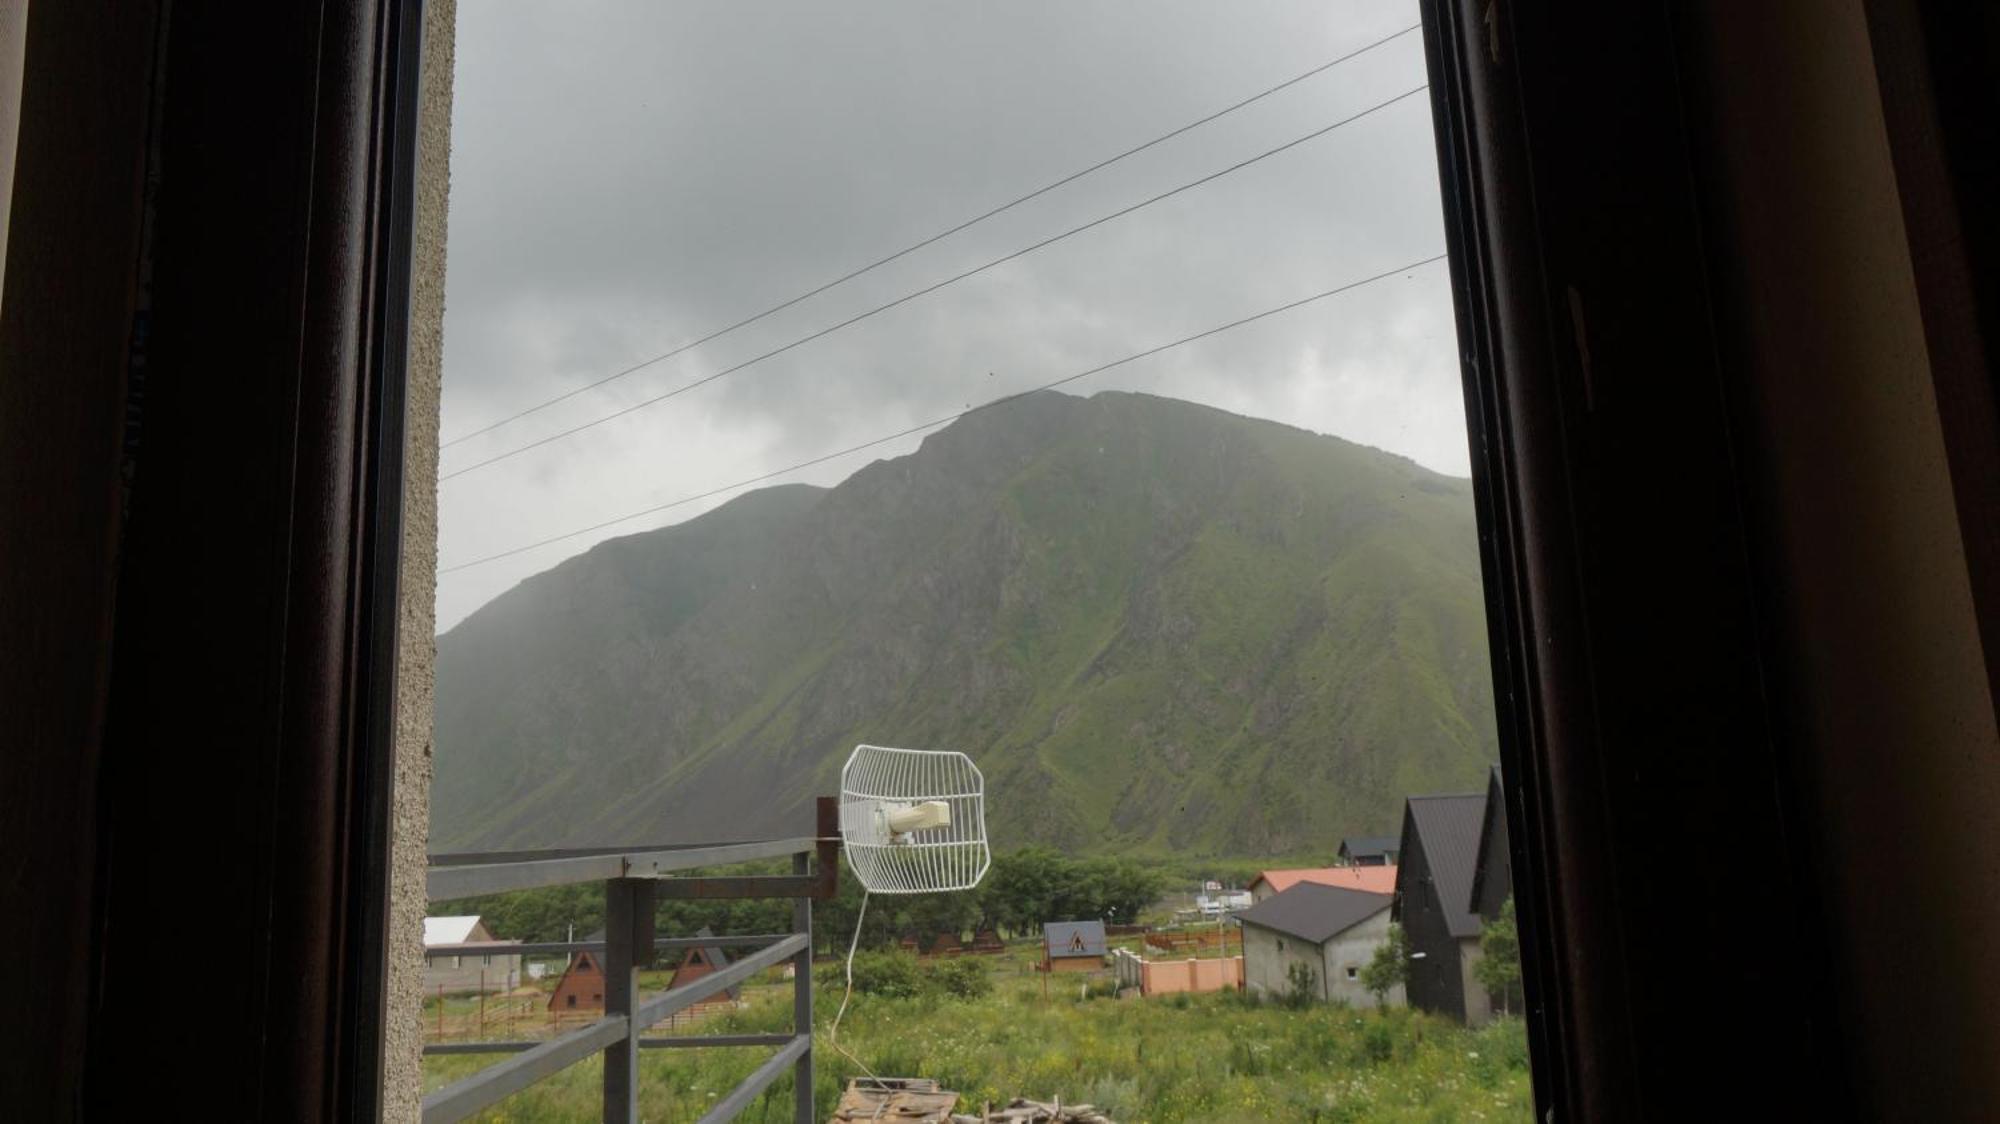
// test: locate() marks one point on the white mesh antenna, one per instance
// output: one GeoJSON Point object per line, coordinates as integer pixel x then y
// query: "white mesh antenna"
{"type": "Point", "coordinates": [913, 821]}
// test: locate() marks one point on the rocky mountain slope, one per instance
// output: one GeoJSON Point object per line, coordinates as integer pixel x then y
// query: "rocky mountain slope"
{"type": "Point", "coordinates": [1158, 627]}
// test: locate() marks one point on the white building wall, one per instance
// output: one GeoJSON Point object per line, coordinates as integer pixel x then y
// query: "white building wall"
{"type": "Point", "coordinates": [1268, 956]}
{"type": "Point", "coordinates": [1352, 949]}
{"type": "Point", "coordinates": [478, 972]}
{"type": "Point", "coordinates": [1478, 1005]}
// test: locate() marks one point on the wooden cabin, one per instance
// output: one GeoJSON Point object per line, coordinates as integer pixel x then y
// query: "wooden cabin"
{"type": "Point", "coordinates": [582, 985]}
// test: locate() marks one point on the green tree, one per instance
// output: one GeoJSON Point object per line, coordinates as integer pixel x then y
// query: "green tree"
{"type": "Point", "coordinates": [1499, 967]}
{"type": "Point", "coordinates": [1302, 985]}
{"type": "Point", "coordinates": [1389, 968]}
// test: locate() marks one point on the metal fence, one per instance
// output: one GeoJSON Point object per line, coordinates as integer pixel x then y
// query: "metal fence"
{"type": "Point", "coordinates": [633, 881]}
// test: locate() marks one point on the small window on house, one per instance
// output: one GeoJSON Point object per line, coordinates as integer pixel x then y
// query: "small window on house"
{"type": "Point", "coordinates": [1281, 944]}
{"type": "Point", "coordinates": [487, 959]}
{"type": "Point", "coordinates": [1353, 973]}
{"type": "Point", "coordinates": [569, 1000]}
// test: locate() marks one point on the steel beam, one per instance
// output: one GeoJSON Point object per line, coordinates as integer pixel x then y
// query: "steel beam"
{"type": "Point", "coordinates": [688, 994]}
{"type": "Point", "coordinates": [552, 948]}
{"type": "Point", "coordinates": [802, 1003]}
{"type": "Point", "coordinates": [500, 1080]}
{"type": "Point", "coordinates": [822, 884]}
{"type": "Point", "coordinates": [706, 1041]}
{"type": "Point", "coordinates": [459, 876]}
{"type": "Point", "coordinates": [676, 1042]}
{"type": "Point", "coordinates": [628, 937]}
{"type": "Point", "coordinates": [741, 1096]}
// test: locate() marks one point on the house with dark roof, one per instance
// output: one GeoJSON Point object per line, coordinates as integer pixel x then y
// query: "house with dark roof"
{"type": "Point", "coordinates": [1331, 930]}
{"type": "Point", "coordinates": [1440, 864]}
{"type": "Point", "coordinates": [1072, 946]}
{"type": "Point", "coordinates": [1493, 872]}
{"type": "Point", "coordinates": [1368, 850]}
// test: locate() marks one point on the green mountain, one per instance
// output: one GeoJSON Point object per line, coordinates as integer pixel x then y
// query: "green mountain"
{"type": "Point", "coordinates": [1157, 627]}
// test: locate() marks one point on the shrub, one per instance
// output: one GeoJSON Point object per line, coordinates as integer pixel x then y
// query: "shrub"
{"type": "Point", "coordinates": [1301, 985]}
{"type": "Point", "coordinates": [1390, 967]}
{"type": "Point", "coordinates": [1378, 1044]}
{"type": "Point", "coordinates": [1499, 968]}
{"type": "Point", "coordinates": [1100, 989]}
{"type": "Point", "coordinates": [964, 978]}
{"type": "Point", "coordinates": [892, 975]}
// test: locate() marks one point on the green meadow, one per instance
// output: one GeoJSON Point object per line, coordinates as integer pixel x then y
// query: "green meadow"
{"type": "Point", "coordinates": [1144, 1061]}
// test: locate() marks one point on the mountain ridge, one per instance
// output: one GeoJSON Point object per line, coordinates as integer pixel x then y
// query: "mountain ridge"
{"type": "Point", "coordinates": [1159, 627]}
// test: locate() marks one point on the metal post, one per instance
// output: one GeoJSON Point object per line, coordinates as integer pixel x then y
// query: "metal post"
{"type": "Point", "coordinates": [802, 1003]}
{"type": "Point", "coordinates": [628, 943]}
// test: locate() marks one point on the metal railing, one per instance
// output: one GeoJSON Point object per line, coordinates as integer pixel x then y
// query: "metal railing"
{"type": "Point", "coordinates": [633, 881]}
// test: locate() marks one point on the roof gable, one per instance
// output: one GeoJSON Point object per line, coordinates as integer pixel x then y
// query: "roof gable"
{"type": "Point", "coordinates": [1492, 848]}
{"type": "Point", "coordinates": [710, 955]}
{"type": "Point", "coordinates": [1314, 912]}
{"type": "Point", "coordinates": [1369, 879]}
{"type": "Point", "coordinates": [1074, 938]}
{"type": "Point", "coordinates": [450, 930]}
{"type": "Point", "coordinates": [1447, 829]}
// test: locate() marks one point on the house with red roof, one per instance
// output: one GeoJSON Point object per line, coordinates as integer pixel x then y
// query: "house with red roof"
{"type": "Point", "coordinates": [1366, 879]}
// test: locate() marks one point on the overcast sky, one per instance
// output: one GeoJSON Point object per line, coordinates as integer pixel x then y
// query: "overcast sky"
{"type": "Point", "coordinates": [629, 176]}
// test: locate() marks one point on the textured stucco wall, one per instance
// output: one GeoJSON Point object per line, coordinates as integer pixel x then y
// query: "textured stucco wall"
{"type": "Point", "coordinates": [1354, 949]}
{"type": "Point", "coordinates": [403, 1061]}
{"type": "Point", "coordinates": [1265, 966]}
{"type": "Point", "coordinates": [1265, 963]}
{"type": "Point", "coordinates": [1478, 1004]}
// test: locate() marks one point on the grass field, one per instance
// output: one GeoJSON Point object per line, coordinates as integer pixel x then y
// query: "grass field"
{"type": "Point", "coordinates": [1163, 1059]}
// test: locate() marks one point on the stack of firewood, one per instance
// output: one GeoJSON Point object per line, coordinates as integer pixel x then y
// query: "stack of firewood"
{"type": "Point", "coordinates": [1021, 1110]}
{"type": "Point", "coordinates": [919, 1100]}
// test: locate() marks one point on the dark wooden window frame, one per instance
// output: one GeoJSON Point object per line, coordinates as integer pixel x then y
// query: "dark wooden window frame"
{"type": "Point", "coordinates": [244, 570]}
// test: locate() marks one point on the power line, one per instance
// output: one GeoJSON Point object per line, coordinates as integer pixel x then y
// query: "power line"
{"type": "Point", "coordinates": [926, 290]}
{"type": "Point", "coordinates": [938, 237]}
{"type": "Point", "coordinates": [946, 420]}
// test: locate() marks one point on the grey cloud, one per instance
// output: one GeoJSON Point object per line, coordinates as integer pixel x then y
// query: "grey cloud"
{"type": "Point", "coordinates": [629, 180]}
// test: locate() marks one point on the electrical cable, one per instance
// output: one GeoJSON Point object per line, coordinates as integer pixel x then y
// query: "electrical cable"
{"type": "Point", "coordinates": [711, 493]}
{"type": "Point", "coordinates": [938, 237]}
{"type": "Point", "coordinates": [928, 289]}
{"type": "Point", "coordinates": [833, 1029]}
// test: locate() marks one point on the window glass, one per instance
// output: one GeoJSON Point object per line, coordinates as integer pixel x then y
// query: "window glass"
{"type": "Point", "coordinates": [1066, 386]}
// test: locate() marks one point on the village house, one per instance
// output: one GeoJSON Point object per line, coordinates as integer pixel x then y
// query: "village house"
{"type": "Point", "coordinates": [471, 971]}
{"type": "Point", "coordinates": [581, 987]}
{"type": "Point", "coordinates": [700, 961]}
{"type": "Point", "coordinates": [1216, 903]}
{"type": "Point", "coordinates": [1448, 850]}
{"type": "Point", "coordinates": [1493, 872]}
{"type": "Point", "coordinates": [1368, 850]}
{"type": "Point", "coordinates": [1073, 946]}
{"type": "Point", "coordinates": [1331, 930]}
{"type": "Point", "coordinates": [1367, 879]}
